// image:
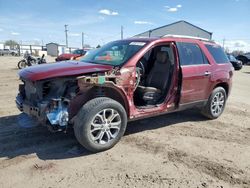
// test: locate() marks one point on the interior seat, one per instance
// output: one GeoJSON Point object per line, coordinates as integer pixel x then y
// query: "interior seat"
{"type": "Point", "coordinates": [157, 80]}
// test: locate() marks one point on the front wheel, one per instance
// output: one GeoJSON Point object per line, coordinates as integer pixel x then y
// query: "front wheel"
{"type": "Point", "coordinates": [215, 104]}
{"type": "Point", "coordinates": [21, 64]}
{"type": "Point", "coordinates": [100, 124]}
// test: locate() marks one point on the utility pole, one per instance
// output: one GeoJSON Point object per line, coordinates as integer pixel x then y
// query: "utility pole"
{"type": "Point", "coordinates": [224, 40]}
{"type": "Point", "coordinates": [149, 33]}
{"type": "Point", "coordinates": [82, 40]}
{"type": "Point", "coordinates": [66, 34]}
{"type": "Point", "coordinates": [121, 32]}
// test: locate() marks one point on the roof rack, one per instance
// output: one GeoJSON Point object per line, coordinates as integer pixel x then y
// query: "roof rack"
{"type": "Point", "coordinates": [186, 36]}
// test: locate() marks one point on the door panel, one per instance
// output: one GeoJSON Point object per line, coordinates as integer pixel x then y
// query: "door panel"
{"type": "Point", "coordinates": [195, 83]}
{"type": "Point", "coordinates": [196, 72]}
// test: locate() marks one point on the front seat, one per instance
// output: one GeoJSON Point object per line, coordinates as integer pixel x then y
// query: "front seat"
{"type": "Point", "coordinates": [157, 79]}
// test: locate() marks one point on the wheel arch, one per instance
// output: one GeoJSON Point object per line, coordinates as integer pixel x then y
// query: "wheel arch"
{"type": "Point", "coordinates": [104, 91]}
{"type": "Point", "coordinates": [224, 85]}
{"type": "Point", "coordinates": [117, 95]}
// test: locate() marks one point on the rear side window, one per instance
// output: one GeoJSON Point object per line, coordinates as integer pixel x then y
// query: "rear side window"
{"type": "Point", "coordinates": [190, 54]}
{"type": "Point", "coordinates": [218, 54]}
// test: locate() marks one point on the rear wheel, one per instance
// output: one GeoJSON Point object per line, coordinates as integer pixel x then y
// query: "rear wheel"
{"type": "Point", "coordinates": [215, 104]}
{"type": "Point", "coordinates": [100, 124]}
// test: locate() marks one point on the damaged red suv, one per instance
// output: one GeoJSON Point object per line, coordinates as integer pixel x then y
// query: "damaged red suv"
{"type": "Point", "coordinates": [143, 77]}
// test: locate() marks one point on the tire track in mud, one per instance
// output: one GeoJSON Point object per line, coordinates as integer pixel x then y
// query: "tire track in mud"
{"type": "Point", "coordinates": [41, 142]}
{"type": "Point", "coordinates": [14, 161]}
{"type": "Point", "coordinates": [239, 136]}
{"type": "Point", "coordinates": [199, 163]}
{"type": "Point", "coordinates": [17, 141]}
{"type": "Point", "coordinates": [243, 112]}
{"type": "Point", "coordinates": [211, 168]}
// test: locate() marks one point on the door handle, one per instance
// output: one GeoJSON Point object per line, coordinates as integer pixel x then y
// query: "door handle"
{"type": "Point", "coordinates": [207, 73]}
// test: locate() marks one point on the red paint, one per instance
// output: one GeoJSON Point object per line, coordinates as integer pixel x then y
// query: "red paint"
{"type": "Point", "coordinates": [195, 85]}
{"type": "Point", "coordinates": [61, 69]}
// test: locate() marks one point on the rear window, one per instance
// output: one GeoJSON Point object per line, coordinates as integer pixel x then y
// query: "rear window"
{"type": "Point", "coordinates": [217, 53]}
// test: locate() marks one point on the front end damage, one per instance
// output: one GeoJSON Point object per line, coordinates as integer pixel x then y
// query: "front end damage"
{"type": "Point", "coordinates": [56, 102]}
{"type": "Point", "coordinates": [47, 100]}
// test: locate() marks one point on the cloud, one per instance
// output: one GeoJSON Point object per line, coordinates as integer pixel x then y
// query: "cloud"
{"type": "Point", "coordinates": [236, 45]}
{"type": "Point", "coordinates": [74, 34]}
{"type": "Point", "coordinates": [14, 33]}
{"type": "Point", "coordinates": [173, 9]}
{"type": "Point", "coordinates": [108, 12]}
{"type": "Point", "coordinates": [142, 22]}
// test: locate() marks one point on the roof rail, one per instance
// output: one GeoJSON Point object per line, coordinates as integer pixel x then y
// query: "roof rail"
{"type": "Point", "coordinates": [186, 36]}
{"type": "Point", "coordinates": [143, 37]}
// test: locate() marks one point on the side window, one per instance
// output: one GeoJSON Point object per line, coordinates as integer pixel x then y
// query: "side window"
{"type": "Point", "coordinates": [191, 54]}
{"type": "Point", "coordinates": [218, 54]}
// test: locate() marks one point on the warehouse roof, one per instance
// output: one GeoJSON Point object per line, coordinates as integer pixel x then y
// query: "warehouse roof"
{"type": "Point", "coordinates": [181, 21]}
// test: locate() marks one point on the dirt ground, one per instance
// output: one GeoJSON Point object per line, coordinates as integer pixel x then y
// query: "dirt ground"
{"type": "Point", "coordinates": [176, 150]}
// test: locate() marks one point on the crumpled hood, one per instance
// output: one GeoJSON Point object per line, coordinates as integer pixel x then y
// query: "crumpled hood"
{"type": "Point", "coordinates": [61, 69]}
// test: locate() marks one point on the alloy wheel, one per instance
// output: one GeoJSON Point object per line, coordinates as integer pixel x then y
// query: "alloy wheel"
{"type": "Point", "coordinates": [105, 126]}
{"type": "Point", "coordinates": [218, 102]}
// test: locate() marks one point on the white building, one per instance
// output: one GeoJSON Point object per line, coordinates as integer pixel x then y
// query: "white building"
{"type": "Point", "coordinates": [177, 28]}
{"type": "Point", "coordinates": [54, 49]}
{"type": "Point", "coordinates": [1, 46]}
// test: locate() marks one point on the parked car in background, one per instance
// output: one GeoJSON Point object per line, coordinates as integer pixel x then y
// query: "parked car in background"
{"type": "Point", "coordinates": [244, 58]}
{"type": "Point", "coordinates": [80, 57]}
{"type": "Point", "coordinates": [9, 52]}
{"type": "Point", "coordinates": [74, 54]}
{"type": "Point", "coordinates": [237, 64]}
{"type": "Point", "coordinates": [142, 77]}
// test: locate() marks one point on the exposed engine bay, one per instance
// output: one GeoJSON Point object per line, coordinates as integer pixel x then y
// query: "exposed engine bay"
{"type": "Point", "coordinates": [47, 100]}
{"type": "Point", "coordinates": [50, 100]}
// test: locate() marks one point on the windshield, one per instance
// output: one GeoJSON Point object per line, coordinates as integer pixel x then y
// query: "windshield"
{"type": "Point", "coordinates": [114, 53]}
{"type": "Point", "coordinates": [77, 52]}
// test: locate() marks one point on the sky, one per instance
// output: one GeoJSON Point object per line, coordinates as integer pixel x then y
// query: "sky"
{"type": "Point", "coordinates": [42, 21]}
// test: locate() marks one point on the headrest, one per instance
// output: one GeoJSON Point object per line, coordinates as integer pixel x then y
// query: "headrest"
{"type": "Point", "coordinates": [162, 56]}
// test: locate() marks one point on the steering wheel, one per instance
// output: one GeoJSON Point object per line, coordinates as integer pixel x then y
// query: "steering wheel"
{"type": "Point", "coordinates": [142, 68]}
{"type": "Point", "coordinates": [140, 72]}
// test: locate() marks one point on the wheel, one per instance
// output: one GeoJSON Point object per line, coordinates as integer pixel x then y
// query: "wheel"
{"type": "Point", "coordinates": [21, 64]}
{"type": "Point", "coordinates": [100, 124]}
{"type": "Point", "coordinates": [215, 104]}
{"type": "Point", "coordinates": [244, 61]}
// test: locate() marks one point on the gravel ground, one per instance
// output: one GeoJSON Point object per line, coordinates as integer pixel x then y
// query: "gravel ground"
{"type": "Point", "coordinates": [176, 150]}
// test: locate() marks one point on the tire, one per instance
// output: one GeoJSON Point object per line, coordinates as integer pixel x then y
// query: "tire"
{"type": "Point", "coordinates": [90, 129]}
{"type": "Point", "coordinates": [244, 61]}
{"type": "Point", "coordinates": [21, 64]}
{"type": "Point", "coordinates": [215, 104]}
